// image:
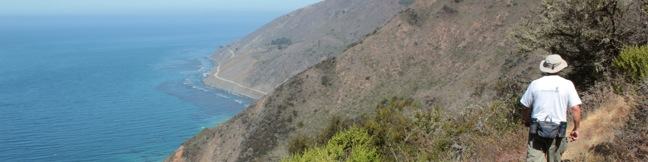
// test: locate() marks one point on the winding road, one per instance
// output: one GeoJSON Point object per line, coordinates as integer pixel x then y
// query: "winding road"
{"type": "Point", "coordinates": [235, 83]}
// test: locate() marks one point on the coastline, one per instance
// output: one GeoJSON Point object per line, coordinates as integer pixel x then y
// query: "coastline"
{"type": "Point", "coordinates": [215, 81]}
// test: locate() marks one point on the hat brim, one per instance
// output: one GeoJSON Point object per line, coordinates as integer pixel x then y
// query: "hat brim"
{"type": "Point", "coordinates": [563, 65]}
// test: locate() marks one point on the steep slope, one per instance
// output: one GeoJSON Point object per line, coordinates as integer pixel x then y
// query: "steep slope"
{"type": "Point", "coordinates": [258, 63]}
{"type": "Point", "coordinates": [600, 126]}
{"type": "Point", "coordinates": [445, 53]}
{"type": "Point", "coordinates": [614, 129]}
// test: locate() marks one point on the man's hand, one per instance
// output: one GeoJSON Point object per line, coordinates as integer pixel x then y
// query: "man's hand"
{"type": "Point", "coordinates": [573, 136]}
{"type": "Point", "coordinates": [576, 115]}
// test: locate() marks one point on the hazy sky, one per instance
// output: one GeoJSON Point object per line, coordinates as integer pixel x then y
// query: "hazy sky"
{"type": "Point", "coordinates": [72, 7]}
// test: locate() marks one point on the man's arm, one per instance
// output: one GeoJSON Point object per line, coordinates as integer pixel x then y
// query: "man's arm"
{"type": "Point", "coordinates": [526, 116]}
{"type": "Point", "coordinates": [526, 102]}
{"type": "Point", "coordinates": [576, 116]}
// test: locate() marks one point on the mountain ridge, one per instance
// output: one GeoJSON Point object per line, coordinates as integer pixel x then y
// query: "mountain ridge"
{"type": "Point", "coordinates": [426, 49]}
{"type": "Point", "coordinates": [258, 63]}
{"type": "Point", "coordinates": [460, 60]}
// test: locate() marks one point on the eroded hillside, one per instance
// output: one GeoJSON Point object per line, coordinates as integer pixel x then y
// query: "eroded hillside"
{"type": "Point", "coordinates": [257, 64]}
{"type": "Point", "coordinates": [449, 54]}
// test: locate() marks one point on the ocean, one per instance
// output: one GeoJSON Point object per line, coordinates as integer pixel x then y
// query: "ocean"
{"type": "Point", "coordinates": [111, 88]}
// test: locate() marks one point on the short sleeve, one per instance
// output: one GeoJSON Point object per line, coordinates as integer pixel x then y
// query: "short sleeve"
{"type": "Point", "coordinates": [574, 99]}
{"type": "Point", "coordinates": [527, 98]}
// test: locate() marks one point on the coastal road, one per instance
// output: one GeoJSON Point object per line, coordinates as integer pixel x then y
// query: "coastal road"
{"type": "Point", "coordinates": [235, 83]}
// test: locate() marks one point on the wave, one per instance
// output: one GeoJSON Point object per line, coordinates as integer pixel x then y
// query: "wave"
{"type": "Point", "coordinates": [197, 65]}
{"type": "Point", "coordinates": [239, 101]}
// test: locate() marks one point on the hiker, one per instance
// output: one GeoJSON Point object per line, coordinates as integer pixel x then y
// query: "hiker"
{"type": "Point", "coordinates": [546, 102]}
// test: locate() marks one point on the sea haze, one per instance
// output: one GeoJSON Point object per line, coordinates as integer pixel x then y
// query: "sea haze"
{"type": "Point", "coordinates": [111, 88]}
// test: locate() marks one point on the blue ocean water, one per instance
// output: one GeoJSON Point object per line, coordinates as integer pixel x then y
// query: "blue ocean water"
{"type": "Point", "coordinates": [111, 88]}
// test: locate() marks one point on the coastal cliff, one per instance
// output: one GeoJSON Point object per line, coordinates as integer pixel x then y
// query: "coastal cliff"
{"type": "Point", "coordinates": [444, 53]}
{"type": "Point", "coordinates": [457, 59]}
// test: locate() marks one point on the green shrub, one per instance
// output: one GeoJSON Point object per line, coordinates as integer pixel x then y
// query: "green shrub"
{"type": "Point", "coordinates": [588, 34]}
{"type": "Point", "coordinates": [354, 144]}
{"type": "Point", "coordinates": [359, 141]}
{"type": "Point", "coordinates": [391, 127]}
{"type": "Point", "coordinates": [318, 154]}
{"type": "Point", "coordinates": [335, 125]}
{"type": "Point", "coordinates": [399, 130]}
{"type": "Point", "coordinates": [281, 43]}
{"type": "Point", "coordinates": [405, 2]}
{"type": "Point", "coordinates": [326, 81]}
{"type": "Point", "coordinates": [633, 61]}
{"type": "Point", "coordinates": [389, 123]}
{"type": "Point", "coordinates": [299, 144]}
{"type": "Point", "coordinates": [435, 134]}
{"type": "Point", "coordinates": [412, 17]}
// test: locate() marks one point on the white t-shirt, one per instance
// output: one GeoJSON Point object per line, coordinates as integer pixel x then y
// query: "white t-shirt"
{"type": "Point", "coordinates": [550, 97]}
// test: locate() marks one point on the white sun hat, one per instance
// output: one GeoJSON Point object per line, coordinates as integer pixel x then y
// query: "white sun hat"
{"type": "Point", "coordinates": [553, 64]}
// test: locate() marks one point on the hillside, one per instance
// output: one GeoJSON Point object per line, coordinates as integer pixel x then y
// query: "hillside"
{"type": "Point", "coordinates": [457, 63]}
{"type": "Point", "coordinates": [255, 65]}
{"type": "Point", "coordinates": [444, 53]}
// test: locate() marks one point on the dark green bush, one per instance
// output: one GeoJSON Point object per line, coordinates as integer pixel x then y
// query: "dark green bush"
{"type": "Point", "coordinates": [298, 144]}
{"type": "Point", "coordinates": [391, 127]}
{"type": "Point", "coordinates": [326, 81]}
{"type": "Point", "coordinates": [281, 43]}
{"type": "Point", "coordinates": [633, 61]}
{"type": "Point", "coordinates": [412, 17]}
{"type": "Point", "coordinates": [405, 2]}
{"type": "Point", "coordinates": [589, 34]}
{"type": "Point", "coordinates": [389, 122]}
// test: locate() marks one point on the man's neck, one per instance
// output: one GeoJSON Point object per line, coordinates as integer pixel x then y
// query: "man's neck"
{"type": "Point", "coordinates": [548, 74]}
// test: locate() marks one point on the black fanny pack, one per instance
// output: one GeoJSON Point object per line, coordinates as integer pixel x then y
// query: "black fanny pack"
{"type": "Point", "coordinates": [548, 129]}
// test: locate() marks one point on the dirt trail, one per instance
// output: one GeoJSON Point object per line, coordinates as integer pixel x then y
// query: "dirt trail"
{"type": "Point", "coordinates": [599, 126]}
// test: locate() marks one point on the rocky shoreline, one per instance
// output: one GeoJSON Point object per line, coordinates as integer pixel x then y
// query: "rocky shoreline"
{"type": "Point", "coordinates": [232, 87]}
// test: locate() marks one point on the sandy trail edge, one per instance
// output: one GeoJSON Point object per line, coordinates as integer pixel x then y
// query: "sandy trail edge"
{"type": "Point", "coordinates": [599, 126]}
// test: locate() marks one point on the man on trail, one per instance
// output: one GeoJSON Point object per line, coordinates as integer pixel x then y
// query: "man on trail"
{"type": "Point", "coordinates": [547, 100]}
